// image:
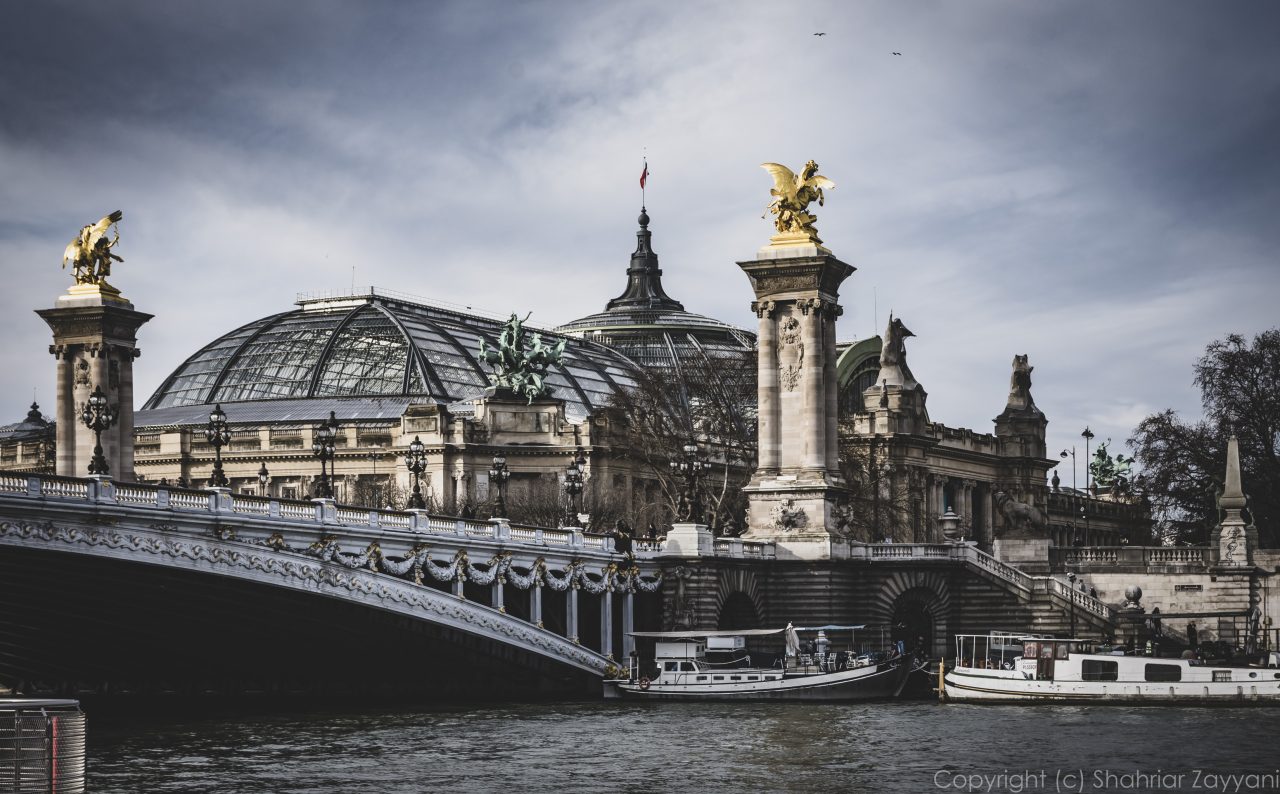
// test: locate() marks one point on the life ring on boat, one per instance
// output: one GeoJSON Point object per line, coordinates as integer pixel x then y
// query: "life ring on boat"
{"type": "Point", "coordinates": [644, 683]}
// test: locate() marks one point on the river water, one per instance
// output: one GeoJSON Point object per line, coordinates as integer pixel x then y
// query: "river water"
{"type": "Point", "coordinates": [592, 746]}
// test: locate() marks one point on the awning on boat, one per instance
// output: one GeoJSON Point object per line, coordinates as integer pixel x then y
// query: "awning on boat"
{"type": "Point", "coordinates": [691, 634]}
{"type": "Point", "coordinates": [830, 628]}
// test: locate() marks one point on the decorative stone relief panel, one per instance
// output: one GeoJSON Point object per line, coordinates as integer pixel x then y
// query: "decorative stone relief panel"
{"type": "Point", "coordinates": [790, 353]}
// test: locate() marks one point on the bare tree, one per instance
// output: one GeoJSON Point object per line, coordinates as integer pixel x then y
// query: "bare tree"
{"type": "Point", "coordinates": [710, 399]}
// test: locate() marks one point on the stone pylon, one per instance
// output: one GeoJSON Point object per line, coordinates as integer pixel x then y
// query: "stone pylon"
{"type": "Point", "coordinates": [1236, 540]}
{"type": "Point", "coordinates": [94, 341]}
{"type": "Point", "coordinates": [796, 487]}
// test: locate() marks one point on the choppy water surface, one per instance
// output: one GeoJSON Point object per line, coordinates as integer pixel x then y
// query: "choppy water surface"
{"type": "Point", "coordinates": [570, 747]}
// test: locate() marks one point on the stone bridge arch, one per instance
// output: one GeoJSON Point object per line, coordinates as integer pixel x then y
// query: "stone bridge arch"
{"type": "Point", "coordinates": [70, 568]}
{"type": "Point", "coordinates": [738, 599]}
{"type": "Point", "coordinates": [915, 603]}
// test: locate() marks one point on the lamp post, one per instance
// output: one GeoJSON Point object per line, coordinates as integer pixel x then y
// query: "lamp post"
{"type": "Point", "coordinates": [1072, 452]}
{"type": "Point", "coordinates": [498, 475]}
{"type": "Point", "coordinates": [415, 460]}
{"type": "Point", "coordinates": [690, 467]}
{"type": "Point", "coordinates": [1071, 597]}
{"type": "Point", "coordinates": [323, 447]}
{"type": "Point", "coordinates": [98, 416]}
{"type": "Point", "coordinates": [264, 479]}
{"type": "Point", "coordinates": [573, 479]}
{"type": "Point", "coordinates": [219, 435]}
{"type": "Point", "coordinates": [1086, 435]}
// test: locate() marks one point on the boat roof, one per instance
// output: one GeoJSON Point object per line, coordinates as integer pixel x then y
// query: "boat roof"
{"type": "Point", "coordinates": [692, 634]}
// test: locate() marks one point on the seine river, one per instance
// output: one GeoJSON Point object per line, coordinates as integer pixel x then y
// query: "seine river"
{"type": "Point", "coordinates": [589, 747]}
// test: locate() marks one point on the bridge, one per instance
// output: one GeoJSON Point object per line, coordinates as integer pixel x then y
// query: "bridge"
{"type": "Point", "coordinates": [150, 590]}
{"type": "Point", "coordinates": [143, 589]}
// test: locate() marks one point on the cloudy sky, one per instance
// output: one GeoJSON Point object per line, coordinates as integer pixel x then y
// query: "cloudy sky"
{"type": "Point", "coordinates": [1096, 184]}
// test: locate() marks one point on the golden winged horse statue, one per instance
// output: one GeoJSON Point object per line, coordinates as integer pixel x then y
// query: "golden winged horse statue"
{"type": "Point", "coordinates": [792, 195]}
{"type": "Point", "coordinates": [90, 251]}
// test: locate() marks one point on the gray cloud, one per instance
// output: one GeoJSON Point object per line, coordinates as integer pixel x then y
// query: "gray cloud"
{"type": "Point", "coordinates": [1090, 183]}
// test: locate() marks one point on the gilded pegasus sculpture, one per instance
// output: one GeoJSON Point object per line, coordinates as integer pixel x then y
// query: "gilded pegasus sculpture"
{"type": "Point", "coordinates": [90, 252]}
{"type": "Point", "coordinates": [792, 195]}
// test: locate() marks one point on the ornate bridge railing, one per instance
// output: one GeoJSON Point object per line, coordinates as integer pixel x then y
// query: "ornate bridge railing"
{"type": "Point", "coordinates": [344, 549]}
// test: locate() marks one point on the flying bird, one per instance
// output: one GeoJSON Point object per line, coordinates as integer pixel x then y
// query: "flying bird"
{"type": "Point", "coordinates": [897, 53]}
{"type": "Point", "coordinates": [819, 34]}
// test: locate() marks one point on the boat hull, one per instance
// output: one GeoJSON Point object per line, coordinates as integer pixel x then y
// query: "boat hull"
{"type": "Point", "coordinates": [882, 682]}
{"type": "Point", "coordinates": [966, 687]}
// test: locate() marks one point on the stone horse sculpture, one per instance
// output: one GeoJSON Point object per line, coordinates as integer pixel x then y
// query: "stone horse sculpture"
{"type": "Point", "coordinates": [893, 355]}
{"type": "Point", "coordinates": [520, 364]}
{"type": "Point", "coordinates": [1020, 515]}
{"type": "Point", "coordinates": [1020, 384]}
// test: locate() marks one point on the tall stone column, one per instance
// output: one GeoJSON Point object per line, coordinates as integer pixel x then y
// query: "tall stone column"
{"type": "Point", "coordinates": [628, 624]}
{"type": "Point", "coordinates": [794, 492]}
{"type": "Point", "coordinates": [832, 388]}
{"type": "Point", "coordinates": [813, 420]}
{"type": "Point", "coordinates": [95, 342]}
{"type": "Point", "coordinates": [988, 520]}
{"type": "Point", "coordinates": [571, 613]}
{"type": "Point", "coordinates": [767, 371]}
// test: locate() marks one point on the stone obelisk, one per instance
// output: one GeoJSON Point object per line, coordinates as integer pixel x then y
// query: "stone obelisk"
{"type": "Point", "coordinates": [797, 485]}
{"type": "Point", "coordinates": [95, 333]}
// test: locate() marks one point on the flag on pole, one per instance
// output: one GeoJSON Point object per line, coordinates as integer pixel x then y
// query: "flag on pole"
{"type": "Point", "coordinates": [644, 175]}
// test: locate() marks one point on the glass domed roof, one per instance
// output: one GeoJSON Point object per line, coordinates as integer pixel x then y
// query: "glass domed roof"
{"type": "Point", "coordinates": [369, 346]}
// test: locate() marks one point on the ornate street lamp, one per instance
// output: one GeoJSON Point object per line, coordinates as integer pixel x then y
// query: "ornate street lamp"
{"type": "Point", "coordinates": [1087, 435]}
{"type": "Point", "coordinates": [323, 447]}
{"type": "Point", "coordinates": [691, 466]}
{"type": "Point", "coordinates": [498, 475]}
{"type": "Point", "coordinates": [573, 479]}
{"type": "Point", "coordinates": [264, 479]}
{"type": "Point", "coordinates": [219, 435]}
{"type": "Point", "coordinates": [98, 416]}
{"type": "Point", "coordinates": [415, 460]}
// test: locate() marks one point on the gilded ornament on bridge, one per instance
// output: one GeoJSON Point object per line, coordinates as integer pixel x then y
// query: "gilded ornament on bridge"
{"type": "Point", "coordinates": [90, 252]}
{"type": "Point", "coordinates": [792, 194]}
{"type": "Point", "coordinates": [520, 362]}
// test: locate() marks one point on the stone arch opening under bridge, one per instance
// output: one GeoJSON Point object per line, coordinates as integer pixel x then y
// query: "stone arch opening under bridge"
{"type": "Point", "coordinates": [916, 606]}
{"type": "Point", "coordinates": [738, 600]}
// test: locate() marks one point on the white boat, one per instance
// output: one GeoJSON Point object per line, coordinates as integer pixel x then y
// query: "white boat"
{"type": "Point", "coordinates": [1008, 668]}
{"type": "Point", "coordinates": [715, 665]}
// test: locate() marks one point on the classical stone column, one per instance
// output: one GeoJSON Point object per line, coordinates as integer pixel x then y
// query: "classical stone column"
{"type": "Point", "coordinates": [498, 602]}
{"type": "Point", "coordinates": [988, 520]}
{"type": "Point", "coordinates": [815, 401]}
{"type": "Point", "coordinates": [832, 391]}
{"type": "Point", "coordinates": [770, 444]}
{"type": "Point", "coordinates": [535, 604]}
{"type": "Point", "coordinates": [571, 613]}
{"type": "Point", "coordinates": [628, 624]}
{"type": "Point", "coordinates": [65, 410]}
{"type": "Point", "coordinates": [606, 623]}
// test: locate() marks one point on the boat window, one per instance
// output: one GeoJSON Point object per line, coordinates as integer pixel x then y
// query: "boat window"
{"type": "Point", "coordinates": [1046, 650]}
{"type": "Point", "coordinates": [1031, 650]}
{"type": "Point", "coordinates": [753, 678]}
{"type": "Point", "coordinates": [1164, 672]}
{"type": "Point", "coordinates": [718, 678]}
{"type": "Point", "coordinates": [1095, 670]}
{"type": "Point", "coordinates": [670, 667]}
{"type": "Point", "coordinates": [1221, 675]}
{"type": "Point", "coordinates": [702, 678]}
{"type": "Point", "coordinates": [687, 667]}
{"type": "Point", "coordinates": [771, 678]}
{"type": "Point", "coordinates": [1061, 650]}
{"type": "Point", "coordinates": [735, 678]}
